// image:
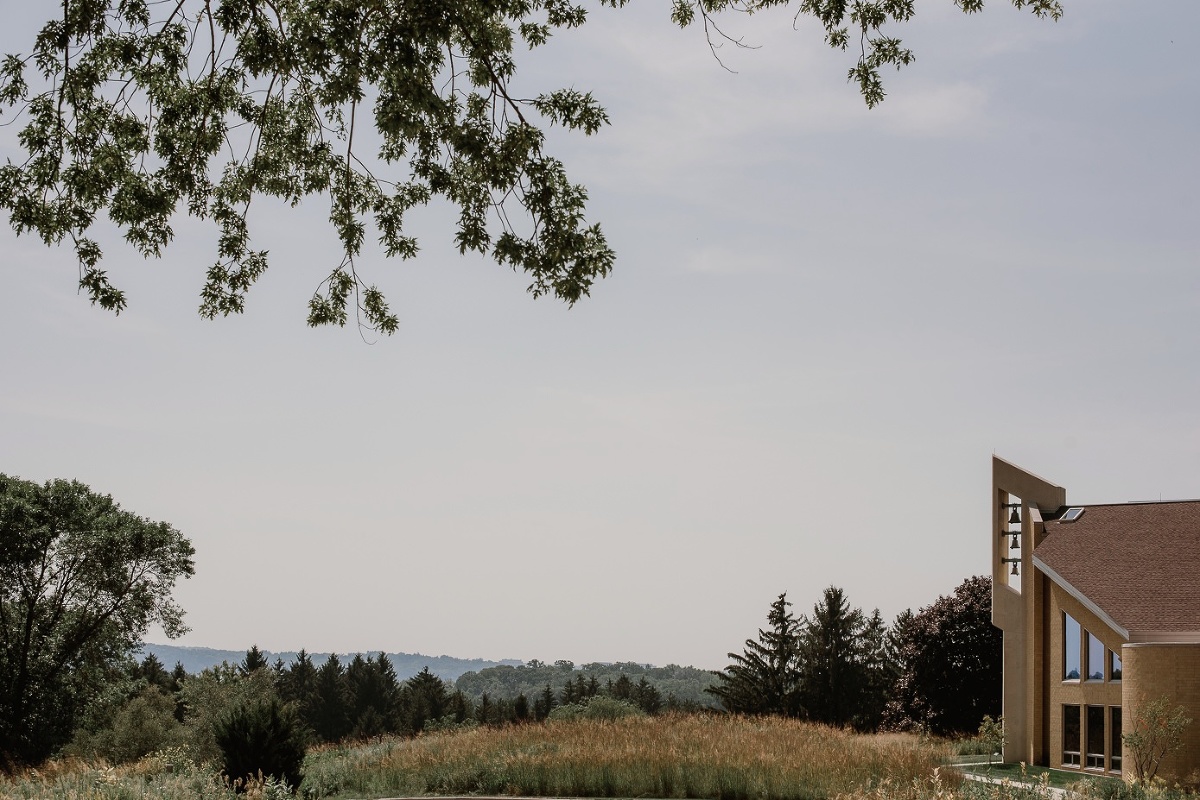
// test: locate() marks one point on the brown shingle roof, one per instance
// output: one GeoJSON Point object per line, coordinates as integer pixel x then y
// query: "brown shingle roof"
{"type": "Point", "coordinates": [1138, 562]}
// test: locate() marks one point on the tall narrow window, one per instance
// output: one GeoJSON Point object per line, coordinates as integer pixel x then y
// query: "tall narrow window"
{"type": "Point", "coordinates": [1095, 657]}
{"type": "Point", "coordinates": [1070, 723]}
{"type": "Point", "coordinates": [1095, 737]}
{"type": "Point", "coordinates": [1070, 648]}
{"type": "Point", "coordinates": [1114, 666]}
{"type": "Point", "coordinates": [1114, 739]}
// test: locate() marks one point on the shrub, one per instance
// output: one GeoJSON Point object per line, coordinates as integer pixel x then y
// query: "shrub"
{"type": "Point", "coordinates": [596, 708]}
{"type": "Point", "coordinates": [262, 738]}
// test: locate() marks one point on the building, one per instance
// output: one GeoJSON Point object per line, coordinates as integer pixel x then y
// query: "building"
{"type": "Point", "coordinates": [1100, 608]}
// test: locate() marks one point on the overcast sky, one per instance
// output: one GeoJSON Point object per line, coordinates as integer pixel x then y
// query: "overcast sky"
{"type": "Point", "coordinates": [822, 323]}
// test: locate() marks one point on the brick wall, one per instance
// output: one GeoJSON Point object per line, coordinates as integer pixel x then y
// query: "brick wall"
{"type": "Point", "coordinates": [1173, 671]}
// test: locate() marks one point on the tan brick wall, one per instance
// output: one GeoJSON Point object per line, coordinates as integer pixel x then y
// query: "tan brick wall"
{"type": "Point", "coordinates": [1173, 671]}
{"type": "Point", "coordinates": [1080, 692]}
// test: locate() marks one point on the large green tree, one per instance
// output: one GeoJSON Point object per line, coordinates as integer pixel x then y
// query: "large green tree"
{"type": "Point", "coordinates": [843, 663]}
{"type": "Point", "coordinates": [950, 662]}
{"type": "Point", "coordinates": [81, 579]}
{"type": "Point", "coordinates": [764, 678]}
{"type": "Point", "coordinates": [142, 110]}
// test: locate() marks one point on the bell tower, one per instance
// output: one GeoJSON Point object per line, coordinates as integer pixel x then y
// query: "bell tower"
{"type": "Point", "coordinates": [1018, 500]}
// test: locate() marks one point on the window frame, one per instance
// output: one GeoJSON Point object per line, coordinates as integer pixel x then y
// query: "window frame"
{"type": "Point", "coordinates": [1072, 758]}
{"type": "Point", "coordinates": [1067, 621]}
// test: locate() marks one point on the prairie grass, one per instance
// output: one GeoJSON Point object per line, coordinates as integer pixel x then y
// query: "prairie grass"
{"type": "Point", "coordinates": [169, 775]}
{"type": "Point", "coordinates": [700, 756]}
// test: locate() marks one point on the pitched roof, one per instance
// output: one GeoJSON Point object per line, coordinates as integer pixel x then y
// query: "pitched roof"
{"type": "Point", "coordinates": [1139, 563]}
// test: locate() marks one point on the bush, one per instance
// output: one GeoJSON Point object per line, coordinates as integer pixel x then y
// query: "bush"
{"type": "Point", "coordinates": [597, 708]}
{"type": "Point", "coordinates": [144, 724]}
{"type": "Point", "coordinates": [261, 738]}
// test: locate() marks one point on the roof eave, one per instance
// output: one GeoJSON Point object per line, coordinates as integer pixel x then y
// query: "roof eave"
{"type": "Point", "coordinates": [1083, 599]}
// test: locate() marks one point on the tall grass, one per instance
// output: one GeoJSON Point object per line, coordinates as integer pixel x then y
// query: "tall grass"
{"type": "Point", "coordinates": [726, 758]}
{"type": "Point", "coordinates": [152, 777]}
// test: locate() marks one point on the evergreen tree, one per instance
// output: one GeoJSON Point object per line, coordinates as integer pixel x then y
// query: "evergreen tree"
{"type": "Point", "coordinates": [254, 660]}
{"type": "Point", "coordinates": [833, 669]}
{"type": "Point", "coordinates": [521, 708]}
{"type": "Point", "coordinates": [763, 679]}
{"type": "Point", "coordinates": [622, 689]}
{"type": "Point", "coordinates": [880, 674]}
{"type": "Point", "coordinates": [178, 676]}
{"type": "Point", "coordinates": [298, 685]}
{"type": "Point", "coordinates": [154, 673]}
{"type": "Point", "coordinates": [484, 712]}
{"type": "Point", "coordinates": [373, 692]}
{"type": "Point", "coordinates": [544, 704]}
{"type": "Point", "coordinates": [647, 697]}
{"type": "Point", "coordinates": [423, 697]}
{"type": "Point", "coordinates": [327, 716]}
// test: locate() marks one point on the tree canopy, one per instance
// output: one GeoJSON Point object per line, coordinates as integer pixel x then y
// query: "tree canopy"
{"type": "Point", "coordinates": [144, 110]}
{"type": "Point", "coordinates": [950, 662]}
{"type": "Point", "coordinates": [81, 579]}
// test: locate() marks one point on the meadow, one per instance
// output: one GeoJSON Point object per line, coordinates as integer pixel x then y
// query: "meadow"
{"type": "Point", "coordinates": [672, 756]}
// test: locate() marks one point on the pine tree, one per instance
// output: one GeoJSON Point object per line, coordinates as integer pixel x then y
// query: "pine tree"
{"type": "Point", "coordinates": [544, 704]}
{"type": "Point", "coordinates": [880, 674]}
{"type": "Point", "coordinates": [763, 679]}
{"type": "Point", "coordinates": [834, 675]}
{"type": "Point", "coordinates": [648, 698]}
{"type": "Point", "coordinates": [327, 716]}
{"type": "Point", "coordinates": [298, 685]}
{"type": "Point", "coordinates": [423, 697]}
{"type": "Point", "coordinates": [254, 660]}
{"type": "Point", "coordinates": [521, 708]}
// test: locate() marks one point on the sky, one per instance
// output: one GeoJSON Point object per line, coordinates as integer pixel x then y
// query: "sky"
{"type": "Point", "coordinates": [822, 323]}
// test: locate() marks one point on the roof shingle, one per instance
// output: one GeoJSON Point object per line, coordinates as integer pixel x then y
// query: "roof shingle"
{"type": "Point", "coordinates": [1139, 562]}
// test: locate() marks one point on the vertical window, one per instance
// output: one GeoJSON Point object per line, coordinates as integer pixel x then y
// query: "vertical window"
{"type": "Point", "coordinates": [1095, 657]}
{"type": "Point", "coordinates": [1114, 666]}
{"type": "Point", "coordinates": [1095, 737]}
{"type": "Point", "coordinates": [1070, 648]}
{"type": "Point", "coordinates": [1114, 739]}
{"type": "Point", "coordinates": [1070, 730]}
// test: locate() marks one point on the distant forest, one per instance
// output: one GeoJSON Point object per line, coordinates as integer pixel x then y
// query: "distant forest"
{"type": "Point", "coordinates": [678, 686]}
{"type": "Point", "coordinates": [406, 665]}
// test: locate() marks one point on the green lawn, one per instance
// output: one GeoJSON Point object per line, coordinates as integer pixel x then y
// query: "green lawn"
{"type": "Point", "coordinates": [1058, 778]}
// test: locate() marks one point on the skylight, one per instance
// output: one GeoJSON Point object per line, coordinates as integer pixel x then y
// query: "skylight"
{"type": "Point", "coordinates": [1072, 514]}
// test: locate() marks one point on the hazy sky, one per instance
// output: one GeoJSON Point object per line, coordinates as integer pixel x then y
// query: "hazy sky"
{"type": "Point", "coordinates": [822, 323]}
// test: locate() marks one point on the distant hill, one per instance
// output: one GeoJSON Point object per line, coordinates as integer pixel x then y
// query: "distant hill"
{"type": "Point", "coordinates": [197, 659]}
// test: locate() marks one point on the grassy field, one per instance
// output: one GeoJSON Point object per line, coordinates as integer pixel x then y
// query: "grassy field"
{"type": "Point", "coordinates": [717, 757]}
{"type": "Point", "coordinates": [701, 756]}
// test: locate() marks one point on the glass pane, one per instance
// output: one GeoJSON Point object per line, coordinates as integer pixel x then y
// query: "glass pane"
{"type": "Point", "coordinates": [1114, 666]}
{"type": "Point", "coordinates": [1070, 648]}
{"type": "Point", "coordinates": [1095, 737]}
{"type": "Point", "coordinates": [1114, 738]}
{"type": "Point", "coordinates": [1095, 658]}
{"type": "Point", "coordinates": [1071, 735]}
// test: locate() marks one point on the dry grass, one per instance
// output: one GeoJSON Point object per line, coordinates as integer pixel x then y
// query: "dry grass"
{"type": "Point", "coordinates": [728, 758]}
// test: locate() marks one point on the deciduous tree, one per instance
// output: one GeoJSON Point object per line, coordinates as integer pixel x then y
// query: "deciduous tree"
{"type": "Point", "coordinates": [143, 110]}
{"type": "Point", "coordinates": [81, 579]}
{"type": "Point", "coordinates": [951, 662]}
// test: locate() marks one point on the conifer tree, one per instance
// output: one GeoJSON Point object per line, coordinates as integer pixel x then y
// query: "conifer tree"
{"type": "Point", "coordinates": [763, 679]}
{"type": "Point", "coordinates": [254, 660]}
{"type": "Point", "coordinates": [834, 674]}
{"type": "Point", "coordinates": [423, 697]}
{"type": "Point", "coordinates": [328, 717]}
{"type": "Point", "coordinates": [521, 708]}
{"type": "Point", "coordinates": [298, 685]}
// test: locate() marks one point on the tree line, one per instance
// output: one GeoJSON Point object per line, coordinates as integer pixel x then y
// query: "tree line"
{"type": "Point", "coordinates": [938, 670]}
{"type": "Point", "coordinates": [679, 687]}
{"type": "Point", "coordinates": [70, 618]}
